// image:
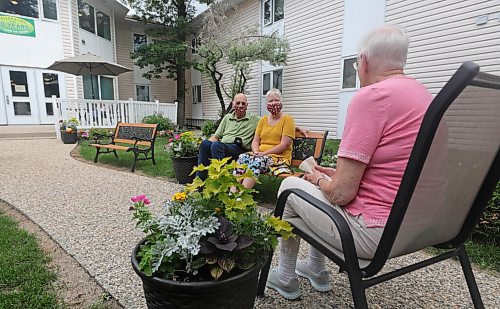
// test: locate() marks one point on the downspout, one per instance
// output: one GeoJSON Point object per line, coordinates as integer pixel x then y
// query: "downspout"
{"type": "Point", "coordinates": [259, 86]}
{"type": "Point", "coordinates": [72, 37]}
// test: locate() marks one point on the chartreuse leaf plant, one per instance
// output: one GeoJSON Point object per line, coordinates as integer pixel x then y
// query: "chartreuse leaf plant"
{"type": "Point", "coordinates": [210, 231]}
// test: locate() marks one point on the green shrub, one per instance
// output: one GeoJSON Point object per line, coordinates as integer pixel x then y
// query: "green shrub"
{"type": "Point", "coordinates": [102, 131]}
{"type": "Point", "coordinates": [163, 122]}
{"type": "Point", "coordinates": [489, 224]}
{"type": "Point", "coordinates": [208, 128]}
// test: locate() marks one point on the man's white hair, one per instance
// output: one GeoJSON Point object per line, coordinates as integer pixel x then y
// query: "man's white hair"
{"type": "Point", "coordinates": [386, 48]}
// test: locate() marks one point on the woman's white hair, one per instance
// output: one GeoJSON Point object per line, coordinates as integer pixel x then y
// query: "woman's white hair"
{"type": "Point", "coordinates": [276, 92]}
{"type": "Point", "coordinates": [386, 48]}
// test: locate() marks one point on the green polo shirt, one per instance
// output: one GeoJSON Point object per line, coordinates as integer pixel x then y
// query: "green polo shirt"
{"type": "Point", "coordinates": [230, 128]}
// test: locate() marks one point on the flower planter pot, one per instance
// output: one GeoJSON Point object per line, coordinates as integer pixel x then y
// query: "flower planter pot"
{"type": "Point", "coordinates": [69, 138]}
{"type": "Point", "coordinates": [183, 167]}
{"type": "Point", "coordinates": [235, 292]}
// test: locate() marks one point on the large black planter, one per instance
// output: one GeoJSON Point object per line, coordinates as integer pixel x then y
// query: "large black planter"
{"type": "Point", "coordinates": [183, 167]}
{"type": "Point", "coordinates": [235, 292]}
{"type": "Point", "coordinates": [69, 138]}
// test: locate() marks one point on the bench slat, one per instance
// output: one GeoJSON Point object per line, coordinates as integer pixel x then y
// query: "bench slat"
{"type": "Point", "coordinates": [110, 146]}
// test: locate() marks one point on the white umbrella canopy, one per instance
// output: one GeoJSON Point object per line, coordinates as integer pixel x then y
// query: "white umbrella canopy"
{"type": "Point", "coordinates": [88, 64]}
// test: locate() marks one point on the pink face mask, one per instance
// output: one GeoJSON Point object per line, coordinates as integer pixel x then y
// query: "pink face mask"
{"type": "Point", "coordinates": [274, 108]}
{"type": "Point", "coordinates": [240, 110]}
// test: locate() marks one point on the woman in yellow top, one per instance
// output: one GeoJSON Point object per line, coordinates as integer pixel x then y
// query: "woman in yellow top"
{"type": "Point", "coordinates": [272, 142]}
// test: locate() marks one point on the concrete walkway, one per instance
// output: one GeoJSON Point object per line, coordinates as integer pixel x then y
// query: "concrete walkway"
{"type": "Point", "coordinates": [85, 209]}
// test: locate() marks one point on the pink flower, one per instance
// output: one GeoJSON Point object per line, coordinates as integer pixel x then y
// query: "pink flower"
{"type": "Point", "coordinates": [170, 140]}
{"type": "Point", "coordinates": [146, 201]}
{"type": "Point", "coordinates": [177, 136]}
{"type": "Point", "coordinates": [138, 198]}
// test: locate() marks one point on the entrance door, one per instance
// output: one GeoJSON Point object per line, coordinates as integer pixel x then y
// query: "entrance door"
{"type": "Point", "coordinates": [19, 95]}
{"type": "Point", "coordinates": [49, 83]}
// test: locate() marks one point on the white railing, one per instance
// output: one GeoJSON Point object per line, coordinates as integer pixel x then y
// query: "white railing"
{"type": "Point", "coordinates": [107, 113]}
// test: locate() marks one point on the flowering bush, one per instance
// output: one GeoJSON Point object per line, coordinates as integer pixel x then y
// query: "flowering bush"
{"type": "Point", "coordinates": [68, 126]}
{"type": "Point", "coordinates": [207, 231]}
{"type": "Point", "coordinates": [185, 144]}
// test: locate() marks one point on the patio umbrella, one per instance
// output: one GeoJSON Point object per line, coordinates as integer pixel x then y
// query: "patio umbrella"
{"type": "Point", "coordinates": [88, 64]}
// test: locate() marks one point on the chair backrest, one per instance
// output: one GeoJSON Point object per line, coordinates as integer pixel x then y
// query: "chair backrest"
{"type": "Point", "coordinates": [125, 132]}
{"type": "Point", "coordinates": [452, 171]}
{"type": "Point", "coordinates": [312, 145]}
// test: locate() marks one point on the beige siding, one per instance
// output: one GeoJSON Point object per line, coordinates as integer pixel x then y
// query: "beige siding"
{"type": "Point", "coordinates": [444, 34]}
{"type": "Point", "coordinates": [246, 15]}
{"type": "Point", "coordinates": [311, 78]}
{"type": "Point", "coordinates": [162, 89]}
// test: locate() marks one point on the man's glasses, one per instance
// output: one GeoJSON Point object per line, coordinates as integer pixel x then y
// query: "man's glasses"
{"type": "Point", "coordinates": [240, 103]}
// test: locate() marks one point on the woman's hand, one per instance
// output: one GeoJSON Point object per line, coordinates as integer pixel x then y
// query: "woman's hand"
{"type": "Point", "coordinates": [314, 177]}
{"type": "Point", "coordinates": [325, 170]}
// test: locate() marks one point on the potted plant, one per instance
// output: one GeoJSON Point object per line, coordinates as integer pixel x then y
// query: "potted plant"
{"type": "Point", "coordinates": [69, 133]}
{"type": "Point", "coordinates": [183, 150]}
{"type": "Point", "coordinates": [208, 244]}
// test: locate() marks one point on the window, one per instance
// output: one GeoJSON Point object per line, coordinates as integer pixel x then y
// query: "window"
{"type": "Point", "coordinates": [107, 89]}
{"type": "Point", "coordinates": [51, 85]}
{"type": "Point", "coordinates": [279, 10]}
{"type": "Point", "coordinates": [276, 77]}
{"type": "Point", "coordinates": [139, 41]}
{"type": "Point", "coordinates": [195, 43]}
{"type": "Point", "coordinates": [197, 94]}
{"type": "Point", "coordinates": [142, 92]}
{"type": "Point", "coordinates": [19, 84]}
{"type": "Point", "coordinates": [273, 11]}
{"type": "Point", "coordinates": [349, 79]}
{"type": "Point", "coordinates": [99, 88]}
{"type": "Point", "coordinates": [50, 9]}
{"type": "Point", "coordinates": [27, 8]}
{"type": "Point", "coordinates": [103, 25]}
{"type": "Point", "coordinates": [86, 16]}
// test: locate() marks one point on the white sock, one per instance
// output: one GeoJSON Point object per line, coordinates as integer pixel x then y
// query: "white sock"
{"type": "Point", "coordinates": [288, 258]}
{"type": "Point", "coordinates": [316, 261]}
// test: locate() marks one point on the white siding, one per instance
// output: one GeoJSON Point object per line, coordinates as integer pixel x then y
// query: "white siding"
{"type": "Point", "coordinates": [443, 34]}
{"type": "Point", "coordinates": [246, 15]}
{"type": "Point", "coordinates": [311, 78]}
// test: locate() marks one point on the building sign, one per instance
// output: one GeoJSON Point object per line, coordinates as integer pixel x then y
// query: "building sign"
{"type": "Point", "coordinates": [17, 25]}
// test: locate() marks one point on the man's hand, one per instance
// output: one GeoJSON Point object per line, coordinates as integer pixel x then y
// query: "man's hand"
{"type": "Point", "coordinates": [314, 177]}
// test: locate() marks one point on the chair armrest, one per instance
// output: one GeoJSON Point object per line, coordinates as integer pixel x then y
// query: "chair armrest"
{"type": "Point", "coordinates": [346, 238]}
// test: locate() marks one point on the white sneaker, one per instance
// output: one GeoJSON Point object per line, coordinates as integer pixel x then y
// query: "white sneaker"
{"type": "Point", "coordinates": [320, 282]}
{"type": "Point", "coordinates": [289, 290]}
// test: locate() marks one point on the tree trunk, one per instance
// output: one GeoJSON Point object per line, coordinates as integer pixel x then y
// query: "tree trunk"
{"type": "Point", "coordinates": [181, 95]}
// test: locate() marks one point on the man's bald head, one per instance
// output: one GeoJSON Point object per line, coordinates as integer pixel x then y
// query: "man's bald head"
{"type": "Point", "coordinates": [240, 105]}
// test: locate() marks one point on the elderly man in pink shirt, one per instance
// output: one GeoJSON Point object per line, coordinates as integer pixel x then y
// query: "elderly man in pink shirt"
{"type": "Point", "coordinates": [382, 123]}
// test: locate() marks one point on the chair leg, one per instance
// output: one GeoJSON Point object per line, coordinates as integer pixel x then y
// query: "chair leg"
{"type": "Point", "coordinates": [263, 275]}
{"type": "Point", "coordinates": [469, 277]}
{"type": "Point", "coordinates": [96, 154]}
{"type": "Point", "coordinates": [114, 151]}
{"type": "Point", "coordinates": [357, 289]}
{"type": "Point", "coordinates": [153, 156]}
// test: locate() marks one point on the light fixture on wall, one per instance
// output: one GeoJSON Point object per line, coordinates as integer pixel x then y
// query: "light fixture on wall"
{"type": "Point", "coordinates": [14, 2]}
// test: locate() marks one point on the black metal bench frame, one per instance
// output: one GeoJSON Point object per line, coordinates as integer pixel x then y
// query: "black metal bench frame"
{"type": "Point", "coordinates": [135, 134]}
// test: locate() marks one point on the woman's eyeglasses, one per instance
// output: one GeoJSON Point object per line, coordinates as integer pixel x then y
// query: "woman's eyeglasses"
{"type": "Point", "coordinates": [355, 65]}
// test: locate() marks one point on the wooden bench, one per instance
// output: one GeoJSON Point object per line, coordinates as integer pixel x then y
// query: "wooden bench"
{"type": "Point", "coordinates": [304, 147]}
{"type": "Point", "coordinates": [140, 136]}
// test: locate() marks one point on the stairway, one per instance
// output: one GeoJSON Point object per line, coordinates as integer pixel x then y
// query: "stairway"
{"type": "Point", "coordinates": [27, 132]}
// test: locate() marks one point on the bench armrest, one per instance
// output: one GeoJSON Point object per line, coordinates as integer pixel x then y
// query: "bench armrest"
{"type": "Point", "coordinates": [98, 137]}
{"type": "Point", "coordinates": [140, 139]}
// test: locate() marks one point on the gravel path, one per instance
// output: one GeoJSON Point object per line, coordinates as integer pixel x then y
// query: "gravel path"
{"type": "Point", "coordinates": [85, 209]}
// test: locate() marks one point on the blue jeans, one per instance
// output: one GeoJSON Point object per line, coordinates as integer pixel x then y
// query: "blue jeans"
{"type": "Point", "coordinates": [216, 150]}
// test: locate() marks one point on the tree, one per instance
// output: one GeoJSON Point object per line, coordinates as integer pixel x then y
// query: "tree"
{"type": "Point", "coordinates": [167, 52]}
{"type": "Point", "coordinates": [240, 51]}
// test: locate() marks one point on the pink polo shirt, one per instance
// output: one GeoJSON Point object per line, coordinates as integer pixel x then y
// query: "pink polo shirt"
{"type": "Point", "coordinates": [382, 123]}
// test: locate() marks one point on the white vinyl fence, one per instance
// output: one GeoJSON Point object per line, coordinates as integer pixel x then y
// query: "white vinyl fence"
{"type": "Point", "coordinates": [107, 113]}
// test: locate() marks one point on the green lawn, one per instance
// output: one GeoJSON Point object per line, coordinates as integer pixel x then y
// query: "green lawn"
{"type": "Point", "coordinates": [24, 278]}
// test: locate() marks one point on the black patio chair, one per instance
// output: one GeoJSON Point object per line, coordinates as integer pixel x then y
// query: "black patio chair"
{"type": "Point", "coordinates": [451, 174]}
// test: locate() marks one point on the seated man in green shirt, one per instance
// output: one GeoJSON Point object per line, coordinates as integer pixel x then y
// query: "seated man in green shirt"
{"type": "Point", "coordinates": [233, 136]}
